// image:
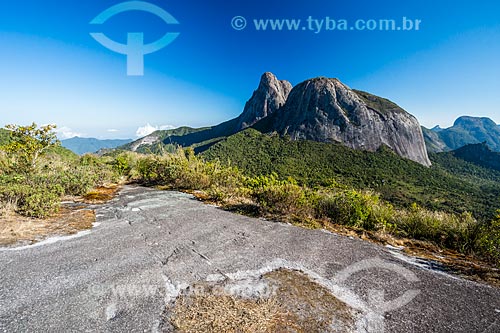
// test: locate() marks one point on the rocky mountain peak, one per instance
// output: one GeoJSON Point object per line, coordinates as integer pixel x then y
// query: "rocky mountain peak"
{"type": "Point", "coordinates": [267, 79]}
{"type": "Point", "coordinates": [269, 97]}
{"type": "Point", "coordinates": [327, 110]}
{"type": "Point", "coordinates": [437, 128]}
{"type": "Point", "coordinates": [467, 121]}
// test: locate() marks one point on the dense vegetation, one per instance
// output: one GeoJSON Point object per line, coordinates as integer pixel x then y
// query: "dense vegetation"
{"type": "Point", "coordinates": [399, 181]}
{"type": "Point", "coordinates": [35, 172]}
{"type": "Point", "coordinates": [479, 154]}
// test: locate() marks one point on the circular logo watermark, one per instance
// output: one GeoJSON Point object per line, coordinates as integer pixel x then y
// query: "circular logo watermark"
{"type": "Point", "coordinates": [376, 305]}
{"type": "Point", "coordinates": [239, 23]}
{"type": "Point", "coordinates": [135, 49]}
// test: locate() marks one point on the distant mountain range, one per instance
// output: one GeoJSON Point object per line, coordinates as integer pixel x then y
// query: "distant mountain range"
{"type": "Point", "coordinates": [77, 145]}
{"type": "Point", "coordinates": [82, 146]}
{"type": "Point", "coordinates": [466, 130]}
{"type": "Point", "coordinates": [320, 109]}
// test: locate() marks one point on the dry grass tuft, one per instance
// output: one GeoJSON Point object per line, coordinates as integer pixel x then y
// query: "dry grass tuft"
{"type": "Point", "coordinates": [7, 209]}
{"type": "Point", "coordinates": [297, 305]}
{"type": "Point", "coordinates": [210, 313]}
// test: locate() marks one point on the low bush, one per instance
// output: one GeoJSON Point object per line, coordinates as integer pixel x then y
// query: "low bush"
{"type": "Point", "coordinates": [280, 197]}
{"type": "Point", "coordinates": [183, 170]}
{"type": "Point", "coordinates": [5, 163]}
{"type": "Point", "coordinates": [78, 179]}
{"type": "Point", "coordinates": [351, 208]}
{"type": "Point", "coordinates": [488, 241]}
{"type": "Point", "coordinates": [39, 201]}
{"type": "Point", "coordinates": [444, 229]}
{"type": "Point", "coordinates": [38, 193]}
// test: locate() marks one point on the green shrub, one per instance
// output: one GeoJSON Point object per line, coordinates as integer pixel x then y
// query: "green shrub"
{"type": "Point", "coordinates": [122, 164]}
{"type": "Point", "coordinates": [178, 171]}
{"type": "Point", "coordinates": [5, 163]}
{"type": "Point", "coordinates": [352, 208]}
{"type": "Point", "coordinates": [14, 193]}
{"type": "Point", "coordinates": [383, 213]}
{"type": "Point", "coordinates": [184, 170]}
{"type": "Point", "coordinates": [146, 169]}
{"type": "Point", "coordinates": [37, 194]}
{"type": "Point", "coordinates": [488, 242]}
{"type": "Point", "coordinates": [39, 203]}
{"type": "Point", "coordinates": [226, 177]}
{"type": "Point", "coordinates": [99, 169]}
{"type": "Point", "coordinates": [226, 183]}
{"type": "Point", "coordinates": [279, 196]}
{"type": "Point", "coordinates": [77, 180]}
{"type": "Point", "coordinates": [91, 160]}
{"type": "Point", "coordinates": [448, 230]}
{"type": "Point", "coordinates": [32, 201]}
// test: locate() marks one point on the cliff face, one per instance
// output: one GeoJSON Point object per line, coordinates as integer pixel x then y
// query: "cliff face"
{"type": "Point", "coordinates": [328, 111]}
{"type": "Point", "coordinates": [267, 99]}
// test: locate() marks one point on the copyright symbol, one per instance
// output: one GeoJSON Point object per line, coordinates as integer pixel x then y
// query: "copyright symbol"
{"type": "Point", "coordinates": [239, 23]}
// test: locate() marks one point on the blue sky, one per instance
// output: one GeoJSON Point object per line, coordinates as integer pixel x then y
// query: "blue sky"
{"type": "Point", "coordinates": [53, 71]}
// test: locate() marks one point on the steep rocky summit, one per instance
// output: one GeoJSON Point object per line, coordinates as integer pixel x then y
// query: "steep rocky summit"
{"type": "Point", "coordinates": [267, 99]}
{"type": "Point", "coordinates": [326, 110]}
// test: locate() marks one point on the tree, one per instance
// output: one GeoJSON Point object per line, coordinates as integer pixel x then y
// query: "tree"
{"type": "Point", "coordinates": [28, 143]}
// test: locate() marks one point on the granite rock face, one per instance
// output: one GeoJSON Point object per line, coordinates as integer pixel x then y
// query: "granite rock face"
{"type": "Point", "coordinates": [267, 99]}
{"type": "Point", "coordinates": [326, 110]}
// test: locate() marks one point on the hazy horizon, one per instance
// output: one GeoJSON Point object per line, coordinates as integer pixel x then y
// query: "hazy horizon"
{"type": "Point", "coordinates": [148, 129]}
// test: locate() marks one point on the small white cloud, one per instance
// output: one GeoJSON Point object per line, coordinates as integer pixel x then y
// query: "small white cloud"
{"type": "Point", "coordinates": [148, 129]}
{"type": "Point", "coordinates": [113, 130]}
{"type": "Point", "coordinates": [66, 133]}
{"type": "Point", "coordinates": [145, 130]}
{"type": "Point", "coordinates": [166, 127]}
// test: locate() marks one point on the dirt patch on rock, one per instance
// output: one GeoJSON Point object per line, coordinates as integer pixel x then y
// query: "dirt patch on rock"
{"type": "Point", "coordinates": [75, 215]}
{"type": "Point", "coordinates": [283, 300]}
{"type": "Point", "coordinates": [101, 194]}
{"type": "Point", "coordinates": [19, 230]}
